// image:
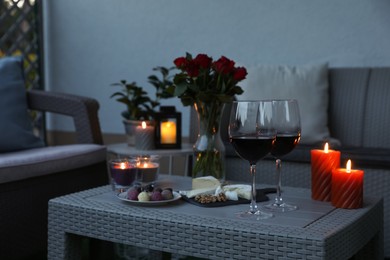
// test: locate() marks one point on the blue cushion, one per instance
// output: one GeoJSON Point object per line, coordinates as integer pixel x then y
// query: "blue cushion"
{"type": "Point", "coordinates": [15, 123]}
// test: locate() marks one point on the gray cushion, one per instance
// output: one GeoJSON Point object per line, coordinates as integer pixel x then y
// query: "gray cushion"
{"type": "Point", "coordinates": [48, 160]}
{"type": "Point", "coordinates": [15, 127]}
{"type": "Point", "coordinates": [308, 84]}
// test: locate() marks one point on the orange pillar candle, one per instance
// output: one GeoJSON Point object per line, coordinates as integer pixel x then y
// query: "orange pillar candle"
{"type": "Point", "coordinates": [347, 188]}
{"type": "Point", "coordinates": [322, 164]}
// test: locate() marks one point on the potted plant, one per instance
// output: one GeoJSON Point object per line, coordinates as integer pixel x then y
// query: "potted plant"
{"type": "Point", "coordinates": [139, 105]}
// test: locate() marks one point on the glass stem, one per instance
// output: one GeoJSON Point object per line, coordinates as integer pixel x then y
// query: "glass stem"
{"type": "Point", "coordinates": [253, 206]}
{"type": "Point", "coordinates": [278, 198]}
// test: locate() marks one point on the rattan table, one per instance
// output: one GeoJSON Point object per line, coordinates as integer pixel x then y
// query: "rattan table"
{"type": "Point", "coordinates": [315, 231]}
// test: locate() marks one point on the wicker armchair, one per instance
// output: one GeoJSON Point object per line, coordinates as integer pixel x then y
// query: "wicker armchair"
{"type": "Point", "coordinates": [30, 178]}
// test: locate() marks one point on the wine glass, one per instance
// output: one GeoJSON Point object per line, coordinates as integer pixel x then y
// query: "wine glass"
{"type": "Point", "coordinates": [251, 133]}
{"type": "Point", "coordinates": [288, 133]}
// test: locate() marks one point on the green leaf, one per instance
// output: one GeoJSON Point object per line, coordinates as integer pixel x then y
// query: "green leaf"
{"type": "Point", "coordinates": [188, 56]}
{"type": "Point", "coordinates": [180, 89]}
{"type": "Point", "coordinates": [171, 89]}
{"type": "Point", "coordinates": [187, 101]}
{"type": "Point", "coordinates": [117, 94]}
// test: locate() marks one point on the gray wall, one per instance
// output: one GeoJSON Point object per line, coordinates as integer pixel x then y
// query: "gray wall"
{"type": "Point", "coordinates": [90, 44]}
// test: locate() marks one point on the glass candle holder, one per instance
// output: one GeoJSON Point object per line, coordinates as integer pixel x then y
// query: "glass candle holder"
{"type": "Point", "coordinates": [148, 169]}
{"type": "Point", "coordinates": [123, 173]}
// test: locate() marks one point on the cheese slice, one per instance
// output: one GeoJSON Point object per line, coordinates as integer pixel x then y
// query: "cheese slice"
{"type": "Point", "coordinates": [193, 193]}
{"type": "Point", "coordinates": [205, 182]}
{"type": "Point", "coordinates": [243, 191]}
{"type": "Point", "coordinates": [231, 195]}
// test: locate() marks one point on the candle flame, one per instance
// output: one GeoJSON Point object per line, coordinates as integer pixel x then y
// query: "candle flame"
{"type": "Point", "coordinates": [349, 166]}
{"type": "Point", "coordinates": [145, 165]}
{"type": "Point", "coordinates": [326, 148]}
{"type": "Point", "coordinates": [143, 124]}
{"type": "Point", "coordinates": [123, 166]}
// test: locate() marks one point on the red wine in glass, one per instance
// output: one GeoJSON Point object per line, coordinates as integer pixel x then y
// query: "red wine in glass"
{"type": "Point", "coordinates": [284, 143]}
{"type": "Point", "coordinates": [288, 133]}
{"type": "Point", "coordinates": [251, 134]}
{"type": "Point", "coordinates": [252, 148]}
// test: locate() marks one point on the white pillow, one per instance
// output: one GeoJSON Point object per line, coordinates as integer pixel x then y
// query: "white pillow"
{"type": "Point", "coordinates": [308, 84]}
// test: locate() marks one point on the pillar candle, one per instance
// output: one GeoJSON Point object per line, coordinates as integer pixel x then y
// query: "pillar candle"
{"type": "Point", "coordinates": [168, 132]}
{"type": "Point", "coordinates": [347, 187]}
{"type": "Point", "coordinates": [322, 164]}
{"type": "Point", "coordinates": [144, 137]}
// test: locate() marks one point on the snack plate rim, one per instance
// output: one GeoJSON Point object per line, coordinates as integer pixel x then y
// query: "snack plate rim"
{"type": "Point", "coordinates": [122, 197]}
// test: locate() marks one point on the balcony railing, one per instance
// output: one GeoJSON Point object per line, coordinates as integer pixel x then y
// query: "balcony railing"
{"type": "Point", "coordinates": [20, 35]}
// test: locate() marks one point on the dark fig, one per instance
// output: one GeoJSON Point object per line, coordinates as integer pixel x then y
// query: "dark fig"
{"type": "Point", "coordinates": [156, 196]}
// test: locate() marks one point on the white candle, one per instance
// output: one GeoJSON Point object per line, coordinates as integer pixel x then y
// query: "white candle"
{"type": "Point", "coordinates": [144, 137]}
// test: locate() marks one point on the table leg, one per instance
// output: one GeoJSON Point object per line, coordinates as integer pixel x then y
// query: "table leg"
{"type": "Point", "coordinates": [56, 238]}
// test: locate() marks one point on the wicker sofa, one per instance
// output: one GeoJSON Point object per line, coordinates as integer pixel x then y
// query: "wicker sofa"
{"type": "Point", "coordinates": [358, 117]}
{"type": "Point", "coordinates": [30, 178]}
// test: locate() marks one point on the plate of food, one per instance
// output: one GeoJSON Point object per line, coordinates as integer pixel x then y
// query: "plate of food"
{"type": "Point", "coordinates": [149, 198]}
{"type": "Point", "coordinates": [225, 196]}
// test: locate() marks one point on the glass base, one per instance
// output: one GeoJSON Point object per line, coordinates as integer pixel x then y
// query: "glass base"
{"type": "Point", "coordinates": [257, 215]}
{"type": "Point", "coordinates": [119, 188]}
{"type": "Point", "coordinates": [282, 207]}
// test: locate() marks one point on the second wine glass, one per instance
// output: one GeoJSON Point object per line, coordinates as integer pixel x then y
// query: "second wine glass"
{"type": "Point", "coordinates": [287, 124]}
{"type": "Point", "coordinates": [251, 134]}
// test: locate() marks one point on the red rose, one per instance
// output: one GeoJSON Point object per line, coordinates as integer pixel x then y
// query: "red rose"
{"type": "Point", "coordinates": [224, 65]}
{"type": "Point", "coordinates": [239, 73]}
{"type": "Point", "coordinates": [180, 62]}
{"type": "Point", "coordinates": [192, 69]}
{"type": "Point", "coordinates": [203, 61]}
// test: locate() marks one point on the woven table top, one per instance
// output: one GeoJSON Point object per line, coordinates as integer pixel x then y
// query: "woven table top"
{"type": "Point", "coordinates": [316, 230]}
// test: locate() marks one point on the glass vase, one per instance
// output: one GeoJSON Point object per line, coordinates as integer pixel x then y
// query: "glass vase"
{"type": "Point", "coordinates": [209, 150]}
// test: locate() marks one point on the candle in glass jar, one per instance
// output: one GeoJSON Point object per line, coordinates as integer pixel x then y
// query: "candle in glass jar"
{"type": "Point", "coordinates": [347, 187]}
{"type": "Point", "coordinates": [168, 132]}
{"type": "Point", "coordinates": [123, 173]}
{"type": "Point", "coordinates": [322, 164]}
{"type": "Point", "coordinates": [147, 170]}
